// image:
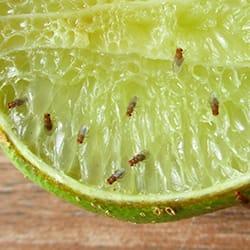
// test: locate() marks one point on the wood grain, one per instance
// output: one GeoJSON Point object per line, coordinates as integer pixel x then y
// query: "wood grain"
{"type": "Point", "coordinates": [31, 218]}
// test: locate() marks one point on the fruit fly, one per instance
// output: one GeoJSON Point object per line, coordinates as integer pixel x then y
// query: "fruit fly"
{"type": "Point", "coordinates": [138, 158]}
{"type": "Point", "coordinates": [242, 198]}
{"type": "Point", "coordinates": [82, 135]}
{"type": "Point", "coordinates": [214, 103]}
{"type": "Point", "coordinates": [115, 176]}
{"type": "Point", "coordinates": [178, 59]}
{"type": "Point", "coordinates": [131, 106]}
{"type": "Point", "coordinates": [16, 103]}
{"type": "Point", "coordinates": [48, 122]}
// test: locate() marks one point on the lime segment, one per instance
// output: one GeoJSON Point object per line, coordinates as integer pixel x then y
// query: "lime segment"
{"type": "Point", "coordinates": [83, 66]}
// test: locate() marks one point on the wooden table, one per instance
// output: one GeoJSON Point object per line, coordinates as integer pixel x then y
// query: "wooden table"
{"type": "Point", "coordinates": [31, 218]}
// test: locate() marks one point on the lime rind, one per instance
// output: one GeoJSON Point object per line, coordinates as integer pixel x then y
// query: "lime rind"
{"type": "Point", "coordinates": [141, 211]}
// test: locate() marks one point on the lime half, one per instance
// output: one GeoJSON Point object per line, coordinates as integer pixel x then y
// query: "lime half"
{"type": "Point", "coordinates": [135, 109]}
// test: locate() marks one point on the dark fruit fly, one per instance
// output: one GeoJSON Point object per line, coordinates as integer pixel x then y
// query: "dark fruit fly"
{"type": "Point", "coordinates": [48, 122]}
{"type": "Point", "coordinates": [214, 103]}
{"type": "Point", "coordinates": [242, 198]}
{"type": "Point", "coordinates": [131, 106]}
{"type": "Point", "coordinates": [178, 59]}
{"type": "Point", "coordinates": [82, 135]}
{"type": "Point", "coordinates": [16, 103]}
{"type": "Point", "coordinates": [118, 174]}
{"type": "Point", "coordinates": [138, 158]}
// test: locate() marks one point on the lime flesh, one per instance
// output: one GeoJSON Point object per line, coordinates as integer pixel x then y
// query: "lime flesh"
{"type": "Point", "coordinates": [84, 63]}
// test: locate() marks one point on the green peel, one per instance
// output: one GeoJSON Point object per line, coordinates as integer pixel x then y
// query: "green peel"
{"type": "Point", "coordinates": [137, 209]}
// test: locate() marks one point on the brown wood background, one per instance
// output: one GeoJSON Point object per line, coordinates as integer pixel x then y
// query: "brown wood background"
{"type": "Point", "coordinates": [31, 218]}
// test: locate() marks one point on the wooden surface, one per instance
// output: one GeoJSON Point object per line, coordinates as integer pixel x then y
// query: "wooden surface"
{"type": "Point", "coordinates": [31, 218]}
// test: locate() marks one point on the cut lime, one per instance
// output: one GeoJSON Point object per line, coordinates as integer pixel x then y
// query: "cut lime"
{"type": "Point", "coordinates": [94, 110]}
